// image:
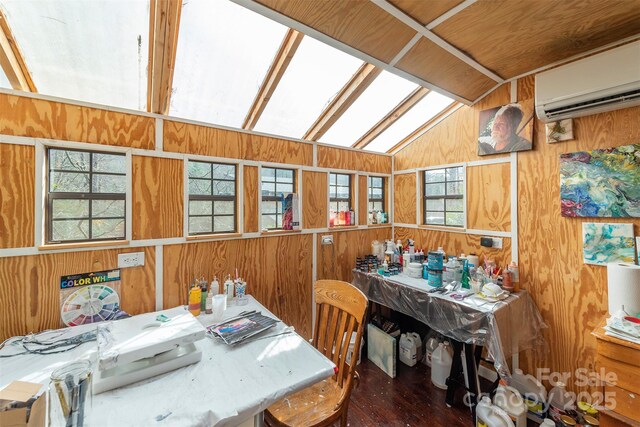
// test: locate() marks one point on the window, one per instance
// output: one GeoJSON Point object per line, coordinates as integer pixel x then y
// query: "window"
{"type": "Point", "coordinates": [339, 192]}
{"type": "Point", "coordinates": [376, 194]}
{"type": "Point", "coordinates": [276, 185]}
{"type": "Point", "coordinates": [212, 198]}
{"type": "Point", "coordinates": [86, 196]}
{"type": "Point", "coordinates": [444, 196]}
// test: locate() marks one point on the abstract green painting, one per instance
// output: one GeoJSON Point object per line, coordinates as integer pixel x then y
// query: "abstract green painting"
{"type": "Point", "coordinates": [603, 243]}
{"type": "Point", "coordinates": [601, 183]}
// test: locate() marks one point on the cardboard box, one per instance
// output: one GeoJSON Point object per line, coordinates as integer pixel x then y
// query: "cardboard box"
{"type": "Point", "coordinates": [20, 391]}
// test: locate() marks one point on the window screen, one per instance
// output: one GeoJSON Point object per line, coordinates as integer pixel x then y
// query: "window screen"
{"type": "Point", "coordinates": [276, 184]}
{"type": "Point", "coordinates": [444, 196]}
{"type": "Point", "coordinates": [376, 194]}
{"type": "Point", "coordinates": [85, 196]}
{"type": "Point", "coordinates": [339, 192]}
{"type": "Point", "coordinates": [212, 198]}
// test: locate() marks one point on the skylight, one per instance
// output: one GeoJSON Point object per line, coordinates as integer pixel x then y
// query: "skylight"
{"type": "Point", "coordinates": [424, 110]}
{"type": "Point", "coordinates": [224, 52]}
{"type": "Point", "coordinates": [95, 51]}
{"type": "Point", "coordinates": [386, 91]}
{"type": "Point", "coordinates": [4, 82]}
{"type": "Point", "coordinates": [314, 76]}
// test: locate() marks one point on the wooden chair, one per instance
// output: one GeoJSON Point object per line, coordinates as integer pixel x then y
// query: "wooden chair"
{"type": "Point", "coordinates": [340, 311]}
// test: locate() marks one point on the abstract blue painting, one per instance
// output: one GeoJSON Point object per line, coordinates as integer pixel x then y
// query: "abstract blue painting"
{"type": "Point", "coordinates": [603, 243]}
{"type": "Point", "coordinates": [601, 183]}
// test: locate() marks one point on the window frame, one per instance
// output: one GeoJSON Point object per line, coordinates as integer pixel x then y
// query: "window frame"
{"type": "Point", "coordinates": [275, 198]}
{"type": "Point", "coordinates": [336, 199]}
{"type": "Point", "coordinates": [445, 196]}
{"type": "Point", "coordinates": [212, 198]}
{"type": "Point", "coordinates": [371, 199]}
{"type": "Point", "coordinates": [50, 196]}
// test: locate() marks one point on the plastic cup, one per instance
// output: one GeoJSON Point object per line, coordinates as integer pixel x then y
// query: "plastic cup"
{"type": "Point", "coordinates": [219, 306]}
{"type": "Point", "coordinates": [70, 394]}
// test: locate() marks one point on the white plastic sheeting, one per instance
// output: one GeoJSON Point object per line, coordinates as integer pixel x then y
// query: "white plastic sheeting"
{"type": "Point", "coordinates": [224, 52]}
{"type": "Point", "coordinates": [94, 51]}
{"type": "Point", "coordinates": [229, 384]}
{"type": "Point", "coordinates": [505, 327]}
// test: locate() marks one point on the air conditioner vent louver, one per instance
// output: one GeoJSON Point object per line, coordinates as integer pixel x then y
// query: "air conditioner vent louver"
{"type": "Point", "coordinates": [596, 84]}
{"type": "Point", "coordinates": [598, 102]}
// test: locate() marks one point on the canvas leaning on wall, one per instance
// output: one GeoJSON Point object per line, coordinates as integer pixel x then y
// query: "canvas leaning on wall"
{"type": "Point", "coordinates": [506, 129]}
{"type": "Point", "coordinates": [601, 183]}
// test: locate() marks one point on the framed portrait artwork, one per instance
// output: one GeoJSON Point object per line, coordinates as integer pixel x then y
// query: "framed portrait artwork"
{"type": "Point", "coordinates": [506, 129]}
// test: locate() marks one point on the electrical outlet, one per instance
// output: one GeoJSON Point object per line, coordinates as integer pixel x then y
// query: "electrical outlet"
{"type": "Point", "coordinates": [327, 240]}
{"type": "Point", "coordinates": [497, 242]}
{"type": "Point", "coordinates": [131, 259]}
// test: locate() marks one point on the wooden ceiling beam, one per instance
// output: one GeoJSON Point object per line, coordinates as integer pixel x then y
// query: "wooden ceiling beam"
{"type": "Point", "coordinates": [425, 127]}
{"type": "Point", "coordinates": [405, 105]}
{"type": "Point", "coordinates": [360, 81]}
{"type": "Point", "coordinates": [164, 25]}
{"type": "Point", "coordinates": [277, 69]}
{"type": "Point", "coordinates": [12, 61]}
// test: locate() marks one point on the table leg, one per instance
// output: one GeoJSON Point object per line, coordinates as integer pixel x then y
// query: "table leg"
{"type": "Point", "coordinates": [472, 355]}
{"type": "Point", "coordinates": [453, 382]}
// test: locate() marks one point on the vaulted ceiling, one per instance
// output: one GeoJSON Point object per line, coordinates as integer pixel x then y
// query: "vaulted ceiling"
{"type": "Point", "coordinates": [363, 73]}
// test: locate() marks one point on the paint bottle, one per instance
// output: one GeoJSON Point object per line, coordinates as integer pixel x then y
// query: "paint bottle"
{"type": "Point", "coordinates": [208, 306]}
{"type": "Point", "coordinates": [215, 286]}
{"type": "Point", "coordinates": [406, 259]}
{"type": "Point", "coordinates": [203, 295]}
{"type": "Point", "coordinates": [352, 217]}
{"type": "Point", "coordinates": [332, 218]}
{"type": "Point", "coordinates": [228, 288]}
{"type": "Point", "coordinates": [195, 295]}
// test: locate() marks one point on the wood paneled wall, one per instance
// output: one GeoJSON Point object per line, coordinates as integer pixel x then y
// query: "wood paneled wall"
{"type": "Point", "coordinates": [315, 191]}
{"type": "Point", "coordinates": [251, 198]}
{"type": "Point", "coordinates": [336, 158]}
{"type": "Point", "coordinates": [489, 197]}
{"type": "Point", "coordinates": [187, 138]}
{"type": "Point", "coordinates": [37, 118]}
{"type": "Point", "coordinates": [279, 269]}
{"type": "Point", "coordinates": [16, 196]}
{"type": "Point", "coordinates": [158, 197]}
{"type": "Point", "coordinates": [454, 243]}
{"type": "Point", "coordinates": [336, 261]}
{"type": "Point", "coordinates": [404, 198]}
{"type": "Point", "coordinates": [571, 296]}
{"type": "Point", "coordinates": [30, 286]}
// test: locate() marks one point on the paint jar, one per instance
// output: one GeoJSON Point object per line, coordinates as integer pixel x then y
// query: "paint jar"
{"type": "Point", "coordinates": [435, 260]}
{"type": "Point", "coordinates": [218, 307]}
{"type": "Point", "coordinates": [241, 293]}
{"type": "Point", "coordinates": [70, 394]}
{"type": "Point", "coordinates": [435, 278]}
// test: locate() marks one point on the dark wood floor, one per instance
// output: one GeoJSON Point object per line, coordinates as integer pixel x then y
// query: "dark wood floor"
{"type": "Point", "coordinates": [410, 399]}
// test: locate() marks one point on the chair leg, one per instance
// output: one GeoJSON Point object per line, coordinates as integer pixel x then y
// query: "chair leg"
{"type": "Point", "coordinates": [344, 416]}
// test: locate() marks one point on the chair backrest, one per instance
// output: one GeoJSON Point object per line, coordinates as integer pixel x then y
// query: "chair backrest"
{"type": "Point", "coordinates": [340, 311]}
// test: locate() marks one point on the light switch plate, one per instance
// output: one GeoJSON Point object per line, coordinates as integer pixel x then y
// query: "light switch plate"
{"type": "Point", "coordinates": [130, 259]}
{"type": "Point", "coordinates": [497, 242]}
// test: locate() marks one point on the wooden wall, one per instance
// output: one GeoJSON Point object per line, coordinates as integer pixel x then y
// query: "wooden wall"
{"type": "Point", "coordinates": [571, 296]}
{"type": "Point", "coordinates": [279, 268]}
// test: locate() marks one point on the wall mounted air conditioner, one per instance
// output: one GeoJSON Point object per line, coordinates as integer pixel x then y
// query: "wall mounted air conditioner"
{"type": "Point", "coordinates": [607, 81]}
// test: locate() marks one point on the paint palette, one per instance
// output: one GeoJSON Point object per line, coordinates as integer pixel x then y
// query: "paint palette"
{"type": "Point", "coordinates": [90, 304]}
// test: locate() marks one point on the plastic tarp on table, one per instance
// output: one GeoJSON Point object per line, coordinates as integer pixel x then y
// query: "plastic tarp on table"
{"type": "Point", "coordinates": [504, 327]}
{"type": "Point", "coordinates": [228, 386]}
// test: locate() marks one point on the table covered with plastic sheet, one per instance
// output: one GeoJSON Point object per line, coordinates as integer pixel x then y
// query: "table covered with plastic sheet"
{"type": "Point", "coordinates": [228, 386]}
{"type": "Point", "coordinates": [505, 327]}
